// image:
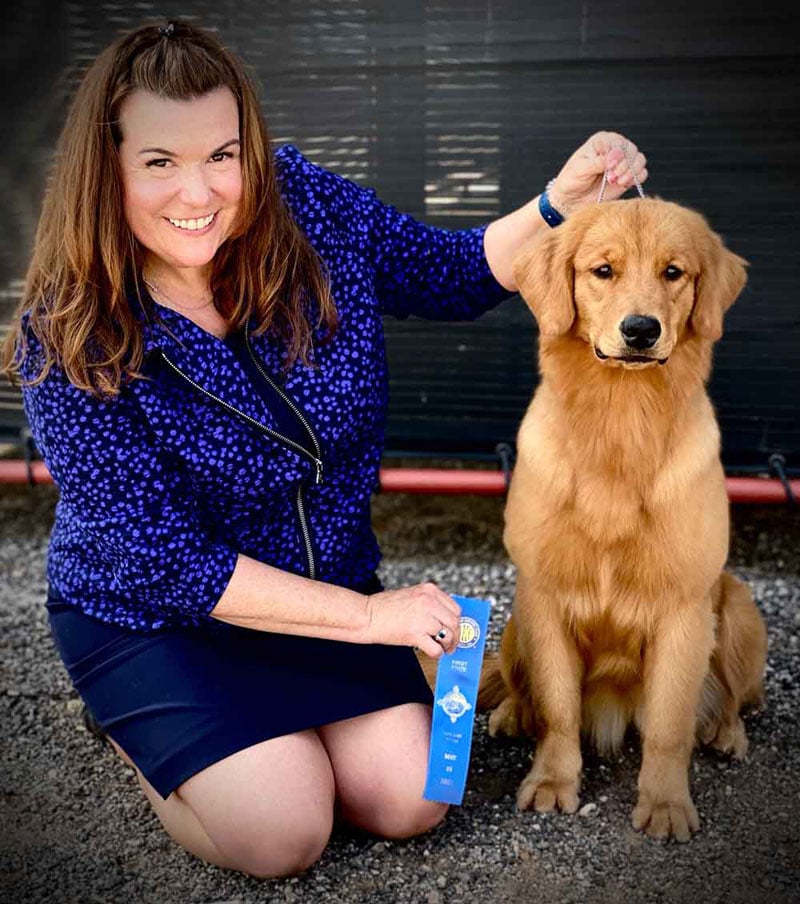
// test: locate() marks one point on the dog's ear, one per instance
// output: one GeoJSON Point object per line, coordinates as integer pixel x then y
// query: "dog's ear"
{"type": "Point", "coordinates": [722, 278]}
{"type": "Point", "coordinates": [544, 275]}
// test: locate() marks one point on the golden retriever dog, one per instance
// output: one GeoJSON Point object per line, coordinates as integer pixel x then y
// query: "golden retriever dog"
{"type": "Point", "coordinates": [617, 515]}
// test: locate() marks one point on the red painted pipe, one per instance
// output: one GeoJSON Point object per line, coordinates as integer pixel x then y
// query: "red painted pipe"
{"type": "Point", "coordinates": [492, 483]}
{"type": "Point", "coordinates": [759, 489]}
{"type": "Point", "coordinates": [440, 480]}
{"type": "Point", "coordinates": [453, 482]}
{"type": "Point", "coordinates": [13, 471]}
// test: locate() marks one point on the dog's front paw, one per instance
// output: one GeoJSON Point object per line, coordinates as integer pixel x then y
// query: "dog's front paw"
{"type": "Point", "coordinates": [663, 819]}
{"type": "Point", "coordinates": [547, 793]}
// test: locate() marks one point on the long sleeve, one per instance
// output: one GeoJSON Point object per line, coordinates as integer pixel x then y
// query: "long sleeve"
{"type": "Point", "coordinates": [130, 512]}
{"type": "Point", "coordinates": [434, 273]}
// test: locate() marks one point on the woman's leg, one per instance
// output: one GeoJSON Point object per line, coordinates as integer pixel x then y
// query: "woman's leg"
{"type": "Point", "coordinates": [266, 810]}
{"type": "Point", "coordinates": [380, 761]}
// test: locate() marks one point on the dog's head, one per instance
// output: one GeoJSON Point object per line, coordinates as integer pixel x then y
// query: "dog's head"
{"type": "Point", "coordinates": [632, 279]}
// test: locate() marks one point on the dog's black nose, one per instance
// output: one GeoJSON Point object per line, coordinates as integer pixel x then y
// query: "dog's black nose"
{"type": "Point", "coordinates": [640, 332]}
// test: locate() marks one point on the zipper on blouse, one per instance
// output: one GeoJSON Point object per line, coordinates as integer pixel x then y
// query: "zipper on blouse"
{"type": "Point", "coordinates": [306, 532]}
{"type": "Point", "coordinates": [289, 401]}
{"type": "Point", "coordinates": [300, 504]}
{"type": "Point", "coordinates": [251, 420]}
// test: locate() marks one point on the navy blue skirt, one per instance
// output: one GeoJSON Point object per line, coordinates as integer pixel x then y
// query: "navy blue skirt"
{"type": "Point", "coordinates": [179, 699]}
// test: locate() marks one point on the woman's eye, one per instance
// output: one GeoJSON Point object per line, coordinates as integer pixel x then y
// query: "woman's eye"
{"type": "Point", "coordinates": [222, 155]}
{"type": "Point", "coordinates": [603, 272]}
{"type": "Point", "coordinates": [159, 162]}
{"type": "Point", "coordinates": [672, 273]}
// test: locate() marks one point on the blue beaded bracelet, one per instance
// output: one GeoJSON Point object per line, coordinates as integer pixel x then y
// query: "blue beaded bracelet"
{"type": "Point", "coordinates": [550, 215]}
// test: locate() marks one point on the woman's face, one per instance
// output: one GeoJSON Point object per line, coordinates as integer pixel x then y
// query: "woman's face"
{"type": "Point", "coordinates": [181, 174]}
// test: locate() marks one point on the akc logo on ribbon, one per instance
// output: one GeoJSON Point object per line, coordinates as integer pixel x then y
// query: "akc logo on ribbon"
{"type": "Point", "coordinates": [469, 633]}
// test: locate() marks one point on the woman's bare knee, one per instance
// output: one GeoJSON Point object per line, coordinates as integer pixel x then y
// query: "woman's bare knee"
{"type": "Point", "coordinates": [380, 761]}
{"type": "Point", "coordinates": [275, 858]}
{"type": "Point", "coordinates": [405, 819]}
{"type": "Point", "coordinates": [264, 855]}
{"type": "Point", "coordinates": [266, 811]}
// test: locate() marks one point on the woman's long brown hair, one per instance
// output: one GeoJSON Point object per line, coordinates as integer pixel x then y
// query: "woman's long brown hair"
{"type": "Point", "coordinates": [85, 255]}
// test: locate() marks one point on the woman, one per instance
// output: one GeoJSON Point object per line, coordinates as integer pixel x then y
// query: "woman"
{"type": "Point", "coordinates": [201, 350]}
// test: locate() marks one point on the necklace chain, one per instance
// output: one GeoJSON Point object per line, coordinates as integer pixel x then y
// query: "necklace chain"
{"type": "Point", "coordinates": [633, 173]}
{"type": "Point", "coordinates": [156, 288]}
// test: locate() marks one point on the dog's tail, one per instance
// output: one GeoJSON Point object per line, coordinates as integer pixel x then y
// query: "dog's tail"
{"type": "Point", "coordinates": [492, 689]}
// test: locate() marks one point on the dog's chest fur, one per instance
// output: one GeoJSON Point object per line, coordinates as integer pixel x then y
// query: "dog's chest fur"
{"type": "Point", "coordinates": [616, 496]}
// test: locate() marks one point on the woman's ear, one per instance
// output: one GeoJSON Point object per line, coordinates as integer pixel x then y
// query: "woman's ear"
{"type": "Point", "coordinates": [722, 278]}
{"type": "Point", "coordinates": [544, 275]}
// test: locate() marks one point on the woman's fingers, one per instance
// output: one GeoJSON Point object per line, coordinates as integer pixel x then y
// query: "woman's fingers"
{"type": "Point", "coordinates": [443, 606]}
{"type": "Point", "coordinates": [615, 154]}
{"type": "Point", "coordinates": [449, 640]}
{"type": "Point", "coordinates": [580, 178]}
{"type": "Point", "coordinates": [622, 174]}
{"type": "Point", "coordinates": [605, 142]}
{"type": "Point", "coordinates": [452, 605]}
{"type": "Point", "coordinates": [449, 622]}
{"type": "Point", "coordinates": [431, 647]}
{"type": "Point", "coordinates": [435, 645]}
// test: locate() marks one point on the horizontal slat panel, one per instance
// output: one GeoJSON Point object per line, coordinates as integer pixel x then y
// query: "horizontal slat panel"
{"type": "Point", "coordinates": [459, 110]}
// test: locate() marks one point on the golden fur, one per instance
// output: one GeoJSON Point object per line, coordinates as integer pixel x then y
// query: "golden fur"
{"type": "Point", "coordinates": [617, 515]}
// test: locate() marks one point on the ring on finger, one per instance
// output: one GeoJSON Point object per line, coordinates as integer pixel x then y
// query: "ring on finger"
{"type": "Point", "coordinates": [442, 634]}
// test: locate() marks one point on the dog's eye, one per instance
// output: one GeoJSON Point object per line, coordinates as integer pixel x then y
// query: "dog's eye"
{"type": "Point", "coordinates": [603, 272]}
{"type": "Point", "coordinates": [672, 273]}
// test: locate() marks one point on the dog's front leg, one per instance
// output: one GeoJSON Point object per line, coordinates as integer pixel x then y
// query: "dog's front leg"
{"type": "Point", "coordinates": [554, 678]}
{"type": "Point", "coordinates": [675, 665]}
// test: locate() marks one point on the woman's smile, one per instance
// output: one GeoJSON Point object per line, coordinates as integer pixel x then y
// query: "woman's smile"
{"type": "Point", "coordinates": [197, 225]}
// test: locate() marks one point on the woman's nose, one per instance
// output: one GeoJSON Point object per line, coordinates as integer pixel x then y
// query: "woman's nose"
{"type": "Point", "coordinates": [195, 189]}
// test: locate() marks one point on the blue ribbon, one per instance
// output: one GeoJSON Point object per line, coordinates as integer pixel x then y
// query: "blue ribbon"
{"type": "Point", "coordinates": [455, 697]}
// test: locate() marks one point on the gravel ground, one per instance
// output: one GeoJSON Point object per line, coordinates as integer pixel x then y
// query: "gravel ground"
{"type": "Point", "coordinates": [75, 827]}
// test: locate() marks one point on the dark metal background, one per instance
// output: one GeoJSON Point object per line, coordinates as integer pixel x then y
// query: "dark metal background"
{"type": "Point", "coordinates": [459, 110]}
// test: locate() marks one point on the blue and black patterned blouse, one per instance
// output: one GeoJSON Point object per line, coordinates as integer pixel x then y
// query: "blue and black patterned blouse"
{"type": "Point", "coordinates": [163, 487]}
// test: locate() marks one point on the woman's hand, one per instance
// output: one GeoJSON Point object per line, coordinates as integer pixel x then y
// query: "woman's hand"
{"type": "Point", "coordinates": [580, 178]}
{"type": "Point", "coordinates": [413, 617]}
{"type": "Point", "coordinates": [577, 184]}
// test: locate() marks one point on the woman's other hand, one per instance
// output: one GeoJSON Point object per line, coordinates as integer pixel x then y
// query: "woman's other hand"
{"type": "Point", "coordinates": [581, 177]}
{"type": "Point", "coordinates": [578, 183]}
